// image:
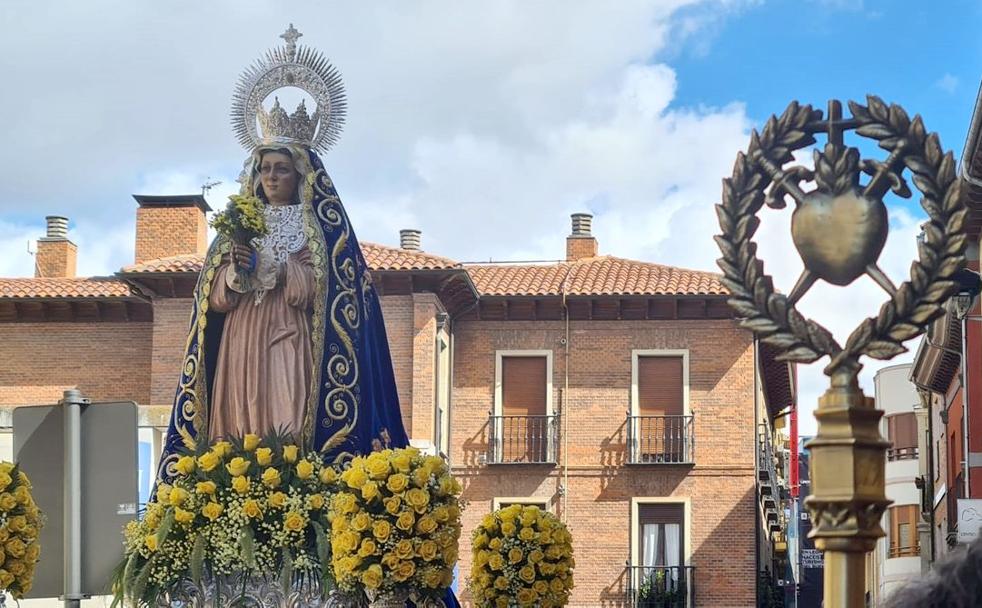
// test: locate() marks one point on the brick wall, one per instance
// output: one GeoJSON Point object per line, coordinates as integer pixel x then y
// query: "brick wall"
{"type": "Point", "coordinates": [163, 231]}
{"type": "Point", "coordinates": [580, 247]}
{"type": "Point", "coordinates": [106, 361]}
{"type": "Point", "coordinates": [55, 258]}
{"type": "Point", "coordinates": [398, 312]}
{"type": "Point", "coordinates": [169, 340]}
{"type": "Point", "coordinates": [600, 487]}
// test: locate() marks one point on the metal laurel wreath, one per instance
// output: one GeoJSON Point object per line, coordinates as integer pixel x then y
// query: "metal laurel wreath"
{"type": "Point", "coordinates": [915, 303]}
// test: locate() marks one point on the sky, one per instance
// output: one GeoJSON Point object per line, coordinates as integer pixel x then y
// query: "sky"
{"type": "Point", "coordinates": [482, 124]}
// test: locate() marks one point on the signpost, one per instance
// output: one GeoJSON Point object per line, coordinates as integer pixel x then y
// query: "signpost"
{"type": "Point", "coordinates": [81, 458]}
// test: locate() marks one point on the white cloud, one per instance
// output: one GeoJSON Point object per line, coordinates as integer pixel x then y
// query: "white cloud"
{"type": "Point", "coordinates": [947, 83]}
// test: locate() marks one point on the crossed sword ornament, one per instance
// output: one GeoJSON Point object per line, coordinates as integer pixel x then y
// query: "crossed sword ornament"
{"type": "Point", "coordinates": [839, 229]}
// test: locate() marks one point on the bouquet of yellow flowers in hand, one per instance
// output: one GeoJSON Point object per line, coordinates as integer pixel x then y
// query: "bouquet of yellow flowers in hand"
{"type": "Point", "coordinates": [250, 506]}
{"type": "Point", "coordinates": [395, 526]}
{"type": "Point", "coordinates": [523, 557]}
{"type": "Point", "coordinates": [20, 525]}
{"type": "Point", "coordinates": [242, 220]}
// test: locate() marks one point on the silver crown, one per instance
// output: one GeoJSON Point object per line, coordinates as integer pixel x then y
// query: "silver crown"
{"type": "Point", "coordinates": [289, 66]}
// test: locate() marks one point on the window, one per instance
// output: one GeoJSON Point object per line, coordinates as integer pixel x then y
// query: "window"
{"type": "Point", "coordinates": [660, 429]}
{"type": "Point", "coordinates": [659, 573]}
{"type": "Point", "coordinates": [902, 432]}
{"type": "Point", "coordinates": [501, 503]}
{"type": "Point", "coordinates": [903, 531]}
{"type": "Point", "coordinates": [523, 426]}
{"type": "Point", "coordinates": [441, 426]}
{"type": "Point", "coordinates": [660, 529]}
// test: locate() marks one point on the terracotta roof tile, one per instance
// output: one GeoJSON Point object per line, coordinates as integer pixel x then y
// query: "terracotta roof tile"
{"type": "Point", "coordinates": [598, 276]}
{"type": "Point", "coordinates": [90, 287]}
{"type": "Point", "coordinates": [379, 257]}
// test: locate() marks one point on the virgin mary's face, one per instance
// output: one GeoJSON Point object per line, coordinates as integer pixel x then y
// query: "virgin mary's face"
{"type": "Point", "coordinates": [278, 177]}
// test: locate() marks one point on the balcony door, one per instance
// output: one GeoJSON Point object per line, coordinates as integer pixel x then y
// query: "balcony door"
{"type": "Point", "coordinates": [524, 425]}
{"type": "Point", "coordinates": [660, 578]}
{"type": "Point", "coordinates": [660, 427]}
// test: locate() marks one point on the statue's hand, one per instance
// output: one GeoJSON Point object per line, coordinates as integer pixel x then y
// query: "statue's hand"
{"type": "Point", "coordinates": [244, 257]}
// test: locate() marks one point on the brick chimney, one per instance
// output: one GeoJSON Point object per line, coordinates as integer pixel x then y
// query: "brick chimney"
{"type": "Point", "coordinates": [170, 225]}
{"type": "Point", "coordinates": [581, 244]}
{"type": "Point", "coordinates": [56, 255]}
{"type": "Point", "coordinates": [410, 239]}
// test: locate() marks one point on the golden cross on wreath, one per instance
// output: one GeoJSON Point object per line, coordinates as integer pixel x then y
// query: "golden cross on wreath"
{"type": "Point", "coordinates": [839, 229]}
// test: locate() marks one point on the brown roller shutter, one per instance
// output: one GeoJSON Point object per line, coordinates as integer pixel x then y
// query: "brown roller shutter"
{"type": "Point", "coordinates": [523, 386]}
{"type": "Point", "coordinates": [660, 386]}
{"type": "Point", "coordinates": [903, 430]}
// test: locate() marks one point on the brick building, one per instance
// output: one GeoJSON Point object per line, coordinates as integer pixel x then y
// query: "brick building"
{"type": "Point", "coordinates": [620, 395]}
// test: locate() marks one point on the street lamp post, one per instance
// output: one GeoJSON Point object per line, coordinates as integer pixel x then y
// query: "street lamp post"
{"type": "Point", "coordinates": [839, 227]}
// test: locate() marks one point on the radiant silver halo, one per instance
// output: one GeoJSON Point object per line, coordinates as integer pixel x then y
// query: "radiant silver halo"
{"type": "Point", "coordinates": [290, 66]}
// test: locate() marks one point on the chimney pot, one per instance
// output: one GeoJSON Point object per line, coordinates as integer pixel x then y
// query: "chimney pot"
{"type": "Point", "coordinates": [582, 224]}
{"type": "Point", "coordinates": [410, 239]}
{"type": "Point", "coordinates": [57, 227]}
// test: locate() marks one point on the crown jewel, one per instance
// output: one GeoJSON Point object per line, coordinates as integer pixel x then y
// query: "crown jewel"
{"type": "Point", "coordinates": [289, 66]}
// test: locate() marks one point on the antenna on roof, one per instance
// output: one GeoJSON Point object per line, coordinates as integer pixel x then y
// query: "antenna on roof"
{"type": "Point", "coordinates": [208, 185]}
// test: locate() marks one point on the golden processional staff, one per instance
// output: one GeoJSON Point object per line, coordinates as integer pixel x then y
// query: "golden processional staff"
{"type": "Point", "coordinates": [839, 228]}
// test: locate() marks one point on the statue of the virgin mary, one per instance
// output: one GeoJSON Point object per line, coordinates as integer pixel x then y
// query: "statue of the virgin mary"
{"type": "Point", "coordinates": [286, 333]}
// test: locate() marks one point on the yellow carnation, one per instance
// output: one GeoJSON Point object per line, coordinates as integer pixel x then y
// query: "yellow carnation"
{"type": "Point", "coordinates": [237, 466]}
{"type": "Point", "coordinates": [290, 453]}
{"type": "Point", "coordinates": [240, 484]}
{"type": "Point", "coordinates": [271, 477]}
{"type": "Point", "coordinates": [264, 456]}
{"type": "Point", "coordinates": [250, 442]}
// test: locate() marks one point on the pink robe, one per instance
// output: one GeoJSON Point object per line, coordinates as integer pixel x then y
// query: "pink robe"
{"type": "Point", "coordinates": [265, 359]}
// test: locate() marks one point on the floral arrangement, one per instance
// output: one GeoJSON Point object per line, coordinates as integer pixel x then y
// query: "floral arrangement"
{"type": "Point", "coordinates": [247, 506]}
{"type": "Point", "coordinates": [396, 526]}
{"type": "Point", "coordinates": [523, 556]}
{"type": "Point", "coordinates": [20, 525]}
{"type": "Point", "coordinates": [242, 219]}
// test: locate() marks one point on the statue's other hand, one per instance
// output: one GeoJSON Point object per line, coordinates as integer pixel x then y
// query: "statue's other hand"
{"type": "Point", "coordinates": [244, 257]}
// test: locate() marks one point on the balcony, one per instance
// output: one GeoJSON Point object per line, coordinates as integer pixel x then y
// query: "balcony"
{"type": "Point", "coordinates": [660, 586]}
{"type": "Point", "coordinates": [909, 453]}
{"type": "Point", "coordinates": [897, 551]}
{"type": "Point", "coordinates": [523, 439]}
{"type": "Point", "coordinates": [660, 439]}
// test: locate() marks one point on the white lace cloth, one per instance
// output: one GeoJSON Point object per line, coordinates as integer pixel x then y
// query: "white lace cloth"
{"type": "Point", "coordinates": [285, 236]}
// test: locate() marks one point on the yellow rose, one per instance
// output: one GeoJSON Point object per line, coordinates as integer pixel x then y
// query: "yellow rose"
{"type": "Point", "coordinates": [515, 555]}
{"type": "Point", "coordinates": [536, 556]}
{"type": "Point", "coordinates": [381, 530]}
{"type": "Point", "coordinates": [240, 484]}
{"type": "Point", "coordinates": [397, 483]}
{"type": "Point", "coordinates": [496, 562]}
{"type": "Point", "coordinates": [183, 517]}
{"type": "Point", "coordinates": [405, 521]}
{"type": "Point", "coordinates": [441, 514]}
{"type": "Point", "coordinates": [421, 477]}
{"type": "Point", "coordinates": [481, 541]}
{"type": "Point", "coordinates": [402, 461]}
{"type": "Point", "coordinates": [277, 499]}
{"type": "Point", "coordinates": [271, 477]}
{"type": "Point", "coordinates": [328, 475]}
{"type": "Point", "coordinates": [404, 549]}
{"type": "Point", "coordinates": [251, 509]}
{"type": "Point", "coordinates": [432, 578]}
{"type": "Point", "coordinates": [489, 523]}
{"type": "Point", "coordinates": [448, 485]}
{"type": "Point", "coordinates": [501, 583]}
{"type": "Point", "coordinates": [290, 453]}
{"type": "Point", "coordinates": [404, 571]}
{"type": "Point", "coordinates": [316, 501]}
{"type": "Point", "coordinates": [526, 597]}
{"type": "Point", "coordinates": [545, 537]}
{"type": "Point", "coordinates": [527, 574]}
{"type": "Point", "coordinates": [361, 522]}
{"type": "Point", "coordinates": [237, 466]}
{"type": "Point", "coordinates": [369, 491]}
{"type": "Point", "coordinates": [185, 465]}
{"type": "Point", "coordinates": [546, 568]}
{"type": "Point", "coordinates": [377, 466]}
{"type": "Point", "coordinates": [305, 469]}
{"type": "Point", "coordinates": [293, 521]}
{"type": "Point", "coordinates": [428, 550]}
{"type": "Point", "coordinates": [5, 480]}
{"type": "Point", "coordinates": [150, 542]}
{"type": "Point", "coordinates": [372, 577]}
{"type": "Point", "coordinates": [355, 477]}
{"type": "Point", "coordinates": [208, 461]}
{"type": "Point", "coordinates": [7, 502]}
{"type": "Point", "coordinates": [6, 579]}
{"type": "Point", "coordinates": [345, 502]}
{"type": "Point", "coordinates": [554, 552]}
{"type": "Point", "coordinates": [508, 528]}
{"type": "Point", "coordinates": [222, 448]}
{"type": "Point", "coordinates": [178, 496]}
{"type": "Point", "coordinates": [250, 442]}
{"type": "Point", "coordinates": [264, 456]}
{"type": "Point", "coordinates": [32, 553]}
{"type": "Point", "coordinates": [495, 543]}
{"type": "Point", "coordinates": [390, 561]}
{"type": "Point", "coordinates": [15, 567]}
{"type": "Point", "coordinates": [557, 585]}
{"type": "Point", "coordinates": [212, 510]}
{"type": "Point", "coordinates": [205, 487]}
{"type": "Point", "coordinates": [417, 498]}
{"type": "Point", "coordinates": [426, 524]}
{"type": "Point", "coordinates": [348, 541]}
{"type": "Point", "coordinates": [163, 493]}
{"type": "Point", "coordinates": [367, 548]}
{"type": "Point", "coordinates": [510, 513]}
{"type": "Point", "coordinates": [526, 534]}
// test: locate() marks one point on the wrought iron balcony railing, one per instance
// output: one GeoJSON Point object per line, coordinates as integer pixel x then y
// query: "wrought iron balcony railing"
{"type": "Point", "coordinates": [909, 453]}
{"type": "Point", "coordinates": [523, 439]}
{"type": "Point", "coordinates": [897, 551]}
{"type": "Point", "coordinates": [660, 439]}
{"type": "Point", "coordinates": [660, 586]}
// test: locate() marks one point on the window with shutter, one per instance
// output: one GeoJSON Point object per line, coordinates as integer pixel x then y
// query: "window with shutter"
{"type": "Point", "coordinates": [660, 542]}
{"type": "Point", "coordinates": [524, 426]}
{"type": "Point", "coordinates": [902, 431]}
{"type": "Point", "coordinates": [903, 531]}
{"type": "Point", "coordinates": [660, 428]}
